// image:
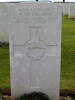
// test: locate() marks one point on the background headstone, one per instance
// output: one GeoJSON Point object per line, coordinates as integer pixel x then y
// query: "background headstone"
{"type": "Point", "coordinates": [66, 8]}
{"type": "Point", "coordinates": [35, 48]}
{"type": "Point", "coordinates": [4, 36]}
{"type": "Point", "coordinates": [71, 11]}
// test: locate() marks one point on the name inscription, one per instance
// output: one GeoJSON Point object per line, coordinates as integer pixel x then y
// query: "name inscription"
{"type": "Point", "coordinates": [35, 14]}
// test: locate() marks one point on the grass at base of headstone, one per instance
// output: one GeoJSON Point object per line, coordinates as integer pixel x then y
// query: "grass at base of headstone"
{"type": "Point", "coordinates": [67, 61]}
{"type": "Point", "coordinates": [68, 54]}
{"type": "Point", "coordinates": [4, 68]}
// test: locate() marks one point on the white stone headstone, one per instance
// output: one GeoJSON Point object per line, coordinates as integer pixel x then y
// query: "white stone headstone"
{"type": "Point", "coordinates": [71, 11]}
{"type": "Point", "coordinates": [35, 48]}
{"type": "Point", "coordinates": [65, 8]}
{"type": "Point", "coordinates": [4, 36]}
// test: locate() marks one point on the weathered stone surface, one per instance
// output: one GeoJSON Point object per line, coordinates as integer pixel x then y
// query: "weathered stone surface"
{"type": "Point", "coordinates": [35, 46]}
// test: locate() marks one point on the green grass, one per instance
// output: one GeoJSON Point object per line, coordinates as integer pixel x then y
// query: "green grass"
{"type": "Point", "coordinates": [68, 54]}
{"type": "Point", "coordinates": [67, 61]}
{"type": "Point", "coordinates": [4, 68]}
